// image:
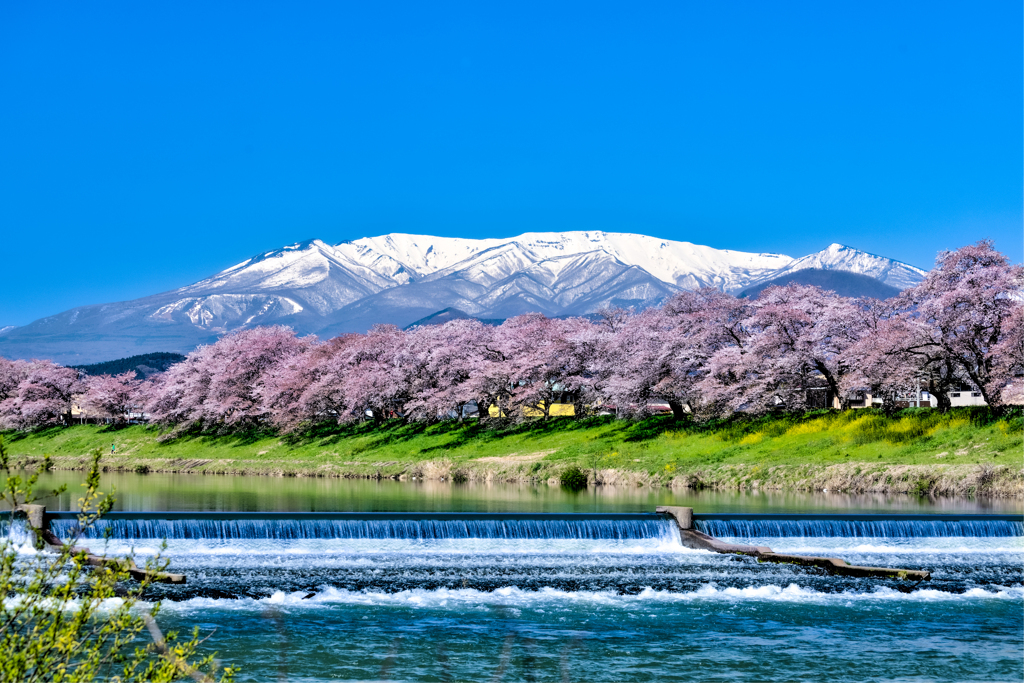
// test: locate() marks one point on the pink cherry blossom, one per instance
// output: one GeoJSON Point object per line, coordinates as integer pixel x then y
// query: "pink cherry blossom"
{"type": "Point", "coordinates": [114, 396]}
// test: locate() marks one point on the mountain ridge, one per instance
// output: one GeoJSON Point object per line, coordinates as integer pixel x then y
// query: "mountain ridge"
{"type": "Point", "coordinates": [399, 278]}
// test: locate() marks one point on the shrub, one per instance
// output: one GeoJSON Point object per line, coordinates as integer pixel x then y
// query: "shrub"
{"type": "Point", "coordinates": [57, 619]}
{"type": "Point", "coordinates": [574, 479]}
{"type": "Point", "coordinates": [922, 488]}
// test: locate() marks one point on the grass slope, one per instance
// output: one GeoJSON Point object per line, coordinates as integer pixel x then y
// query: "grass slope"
{"type": "Point", "coordinates": [917, 451]}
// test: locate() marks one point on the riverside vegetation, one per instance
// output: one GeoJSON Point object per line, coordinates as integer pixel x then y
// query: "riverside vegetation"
{"type": "Point", "coordinates": [65, 620]}
{"type": "Point", "coordinates": [966, 451]}
{"type": "Point", "coordinates": [741, 377]}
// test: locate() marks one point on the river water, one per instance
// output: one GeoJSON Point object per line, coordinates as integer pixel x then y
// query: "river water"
{"type": "Point", "coordinates": [208, 493]}
{"type": "Point", "coordinates": [613, 601]}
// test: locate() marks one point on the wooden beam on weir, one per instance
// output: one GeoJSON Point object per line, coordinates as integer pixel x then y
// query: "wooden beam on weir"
{"type": "Point", "coordinates": [39, 523]}
{"type": "Point", "coordinates": [691, 538]}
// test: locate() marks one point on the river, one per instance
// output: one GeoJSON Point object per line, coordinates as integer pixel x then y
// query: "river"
{"type": "Point", "coordinates": [552, 603]}
{"type": "Point", "coordinates": [211, 493]}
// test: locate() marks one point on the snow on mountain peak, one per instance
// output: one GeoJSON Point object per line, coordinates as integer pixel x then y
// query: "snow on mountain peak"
{"type": "Point", "coordinates": [372, 264]}
{"type": "Point", "coordinates": [399, 278]}
{"type": "Point", "coordinates": [841, 257]}
{"type": "Point", "coordinates": [679, 263]}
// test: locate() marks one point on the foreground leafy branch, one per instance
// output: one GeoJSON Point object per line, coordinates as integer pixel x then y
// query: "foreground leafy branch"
{"type": "Point", "coordinates": [65, 620]}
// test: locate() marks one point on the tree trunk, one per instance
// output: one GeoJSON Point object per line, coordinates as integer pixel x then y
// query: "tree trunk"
{"type": "Point", "coordinates": [833, 385]}
{"type": "Point", "coordinates": [889, 404]}
{"type": "Point", "coordinates": [677, 409]}
{"type": "Point", "coordinates": [579, 409]}
{"type": "Point", "coordinates": [940, 390]}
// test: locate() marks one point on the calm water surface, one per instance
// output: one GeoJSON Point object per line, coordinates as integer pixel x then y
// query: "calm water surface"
{"type": "Point", "coordinates": [639, 608]}
{"type": "Point", "coordinates": [191, 492]}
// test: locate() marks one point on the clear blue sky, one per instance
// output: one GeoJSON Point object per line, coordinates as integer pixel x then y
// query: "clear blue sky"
{"type": "Point", "coordinates": [148, 145]}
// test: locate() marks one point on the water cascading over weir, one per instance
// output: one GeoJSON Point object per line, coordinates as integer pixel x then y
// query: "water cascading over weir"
{"type": "Point", "coordinates": [675, 525]}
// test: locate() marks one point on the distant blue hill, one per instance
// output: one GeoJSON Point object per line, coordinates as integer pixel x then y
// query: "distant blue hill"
{"type": "Point", "coordinates": [443, 316]}
{"type": "Point", "coordinates": [841, 282]}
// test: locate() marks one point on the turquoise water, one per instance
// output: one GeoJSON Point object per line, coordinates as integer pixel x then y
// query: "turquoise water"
{"type": "Point", "coordinates": [597, 609]}
{"type": "Point", "coordinates": [617, 603]}
{"type": "Point", "coordinates": [776, 631]}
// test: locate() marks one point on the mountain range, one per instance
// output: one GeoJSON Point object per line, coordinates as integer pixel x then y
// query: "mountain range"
{"type": "Point", "coordinates": [398, 278]}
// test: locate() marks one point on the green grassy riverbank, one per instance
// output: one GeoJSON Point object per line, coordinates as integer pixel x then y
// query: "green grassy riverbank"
{"type": "Point", "coordinates": [920, 452]}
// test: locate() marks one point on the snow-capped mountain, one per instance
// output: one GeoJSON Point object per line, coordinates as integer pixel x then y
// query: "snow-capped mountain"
{"type": "Point", "coordinates": [680, 263]}
{"type": "Point", "coordinates": [839, 257]}
{"type": "Point", "coordinates": [327, 289]}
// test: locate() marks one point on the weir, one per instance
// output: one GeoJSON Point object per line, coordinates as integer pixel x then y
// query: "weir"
{"type": "Point", "coordinates": [647, 526]}
{"type": "Point", "coordinates": [858, 526]}
{"type": "Point", "coordinates": [38, 522]}
{"type": "Point", "coordinates": [512, 525]}
{"type": "Point", "coordinates": [695, 530]}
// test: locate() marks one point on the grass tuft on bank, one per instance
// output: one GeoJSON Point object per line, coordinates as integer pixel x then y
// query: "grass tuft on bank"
{"type": "Point", "coordinates": [917, 451]}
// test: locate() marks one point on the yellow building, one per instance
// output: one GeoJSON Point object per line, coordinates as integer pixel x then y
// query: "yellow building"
{"type": "Point", "coordinates": [557, 410]}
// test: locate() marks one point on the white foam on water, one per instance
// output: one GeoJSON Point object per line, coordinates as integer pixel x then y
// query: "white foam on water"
{"type": "Point", "coordinates": [920, 545]}
{"type": "Point", "coordinates": [20, 539]}
{"type": "Point", "coordinates": [103, 606]}
{"type": "Point", "coordinates": [549, 598]}
{"type": "Point", "coordinates": [456, 546]}
{"type": "Point", "coordinates": [484, 546]}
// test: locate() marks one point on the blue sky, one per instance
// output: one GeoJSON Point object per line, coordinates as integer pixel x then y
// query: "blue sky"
{"type": "Point", "coordinates": [148, 145]}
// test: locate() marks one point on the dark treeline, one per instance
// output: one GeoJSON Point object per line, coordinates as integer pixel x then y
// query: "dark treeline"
{"type": "Point", "coordinates": [144, 364]}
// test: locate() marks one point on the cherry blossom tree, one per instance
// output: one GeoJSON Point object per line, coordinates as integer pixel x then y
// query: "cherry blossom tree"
{"type": "Point", "coordinates": [583, 354]}
{"type": "Point", "coordinates": [962, 312]}
{"type": "Point", "coordinates": [705, 323]}
{"type": "Point", "coordinates": [44, 396]}
{"type": "Point", "coordinates": [1009, 357]}
{"type": "Point", "coordinates": [372, 382]}
{"type": "Point", "coordinates": [240, 363]}
{"type": "Point", "coordinates": [541, 365]}
{"type": "Point", "coordinates": [113, 395]}
{"type": "Point", "coordinates": [222, 385]}
{"type": "Point", "coordinates": [796, 342]}
{"type": "Point", "coordinates": [635, 364]}
{"type": "Point", "coordinates": [310, 388]}
{"type": "Point", "coordinates": [176, 396]}
{"type": "Point", "coordinates": [879, 361]}
{"type": "Point", "coordinates": [288, 388]}
{"type": "Point", "coordinates": [12, 374]}
{"type": "Point", "coordinates": [489, 382]}
{"type": "Point", "coordinates": [663, 355]}
{"type": "Point", "coordinates": [439, 362]}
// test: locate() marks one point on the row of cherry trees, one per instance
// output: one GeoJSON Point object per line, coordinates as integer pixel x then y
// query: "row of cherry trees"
{"type": "Point", "coordinates": [703, 352]}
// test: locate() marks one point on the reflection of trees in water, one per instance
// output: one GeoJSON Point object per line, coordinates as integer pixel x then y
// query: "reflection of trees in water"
{"type": "Point", "coordinates": [210, 492]}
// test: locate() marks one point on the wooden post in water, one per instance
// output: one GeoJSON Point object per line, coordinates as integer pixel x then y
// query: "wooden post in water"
{"type": "Point", "coordinates": [39, 524]}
